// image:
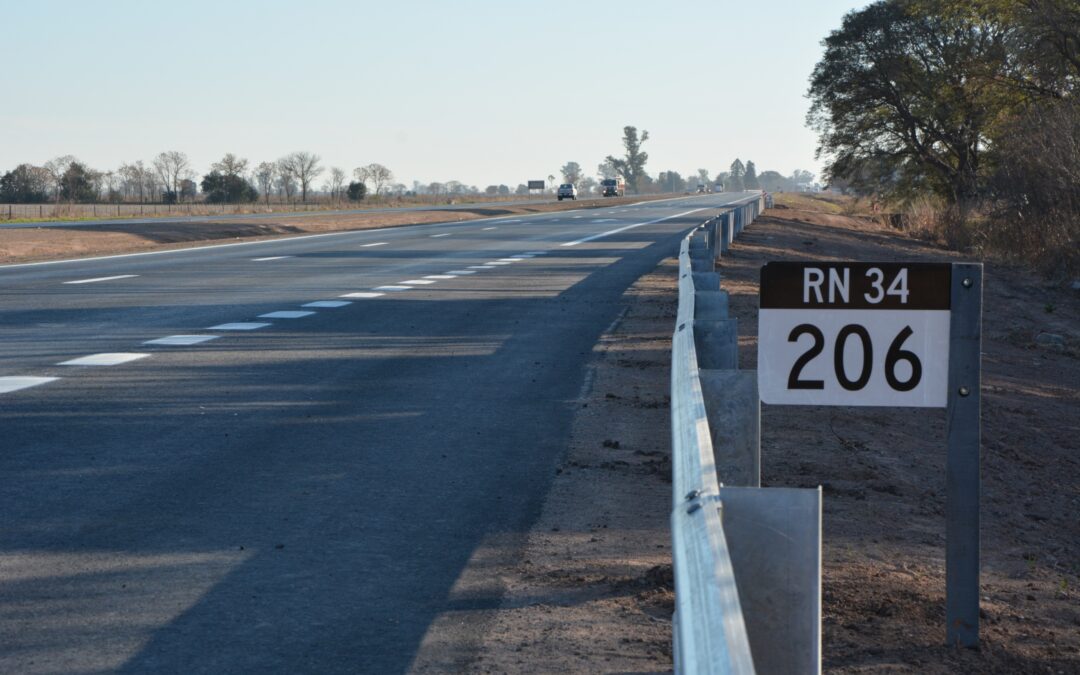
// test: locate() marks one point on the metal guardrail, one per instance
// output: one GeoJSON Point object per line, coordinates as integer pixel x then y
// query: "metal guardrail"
{"type": "Point", "coordinates": [747, 560]}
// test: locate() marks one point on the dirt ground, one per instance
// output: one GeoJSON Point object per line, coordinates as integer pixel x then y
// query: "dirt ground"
{"type": "Point", "coordinates": [883, 473]}
{"type": "Point", "coordinates": [31, 244]}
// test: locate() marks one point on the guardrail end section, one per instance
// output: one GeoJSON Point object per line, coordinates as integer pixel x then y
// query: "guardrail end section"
{"type": "Point", "coordinates": [774, 540]}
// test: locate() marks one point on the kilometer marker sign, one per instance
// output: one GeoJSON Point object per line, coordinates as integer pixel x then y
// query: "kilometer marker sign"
{"type": "Point", "coordinates": [854, 334]}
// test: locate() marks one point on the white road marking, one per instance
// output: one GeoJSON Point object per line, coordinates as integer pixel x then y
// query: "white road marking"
{"type": "Point", "coordinates": [93, 281]}
{"type": "Point", "coordinates": [363, 294]}
{"type": "Point", "coordinates": [182, 340]}
{"type": "Point", "coordinates": [441, 276]}
{"type": "Point", "coordinates": [417, 282]}
{"type": "Point", "coordinates": [576, 217]}
{"type": "Point", "coordinates": [603, 220]}
{"type": "Point", "coordinates": [498, 262]}
{"type": "Point", "coordinates": [393, 288]}
{"type": "Point", "coordinates": [9, 384]}
{"type": "Point", "coordinates": [327, 303]}
{"type": "Point", "coordinates": [378, 243]}
{"type": "Point", "coordinates": [273, 257]}
{"type": "Point", "coordinates": [104, 359]}
{"type": "Point", "coordinates": [286, 314]}
{"type": "Point", "coordinates": [462, 272]}
{"type": "Point", "coordinates": [490, 228]}
{"type": "Point", "coordinates": [444, 234]}
{"type": "Point", "coordinates": [630, 227]}
{"type": "Point", "coordinates": [240, 325]}
{"type": "Point", "coordinates": [523, 256]}
{"type": "Point", "coordinates": [536, 252]}
{"type": "Point", "coordinates": [481, 267]}
{"type": "Point", "coordinates": [514, 259]}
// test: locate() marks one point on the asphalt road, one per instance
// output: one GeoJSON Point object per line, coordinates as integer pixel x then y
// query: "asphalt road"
{"type": "Point", "coordinates": [299, 496]}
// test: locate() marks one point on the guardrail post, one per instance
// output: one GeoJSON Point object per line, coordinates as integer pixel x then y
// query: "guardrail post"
{"type": "Point", "coordinates": [701, 258]}
{"type": "Point", "coordinates": [706, 281]}
{"type": "Point", "coordinates": [717, 343]}
{"type": "Point", "coordinates": [710, 305]}
{"type": "Point", "coordinates": [733, 408]}
{"type": "Point", "coordinates": [774, 539]}
{"type": "Point", "coordinates": [725, 232]}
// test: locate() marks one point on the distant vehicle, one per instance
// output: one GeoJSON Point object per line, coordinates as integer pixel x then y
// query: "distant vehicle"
{"type": "Point", "coordinates": [701, 189]}
{"type": "Point", "coordinates": [612, 187]}
{"type": "Point", "coordinates": [719, 187]}
{"type": "Point", "coordinates": [567, 191]}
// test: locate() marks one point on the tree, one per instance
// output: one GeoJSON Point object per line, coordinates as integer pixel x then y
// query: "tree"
{"type": "Point", "coordinates": [356, 191]}
{"type": "Point", "coordinates": [632, 166]}
{"type": "Point", "coordinates": [587, 186]}
{"type": "Point", "coordinates": [774, 181]}
{"type": "Point", "coordinates": [734, 182]}
{"type": "Point", "coordinates": [376, 174]}
{"type": "Point", "coordinates": [286, 181]}
{"type": "Point", "coordinates": [571, 173]}
{"type": "Point", "coordinates": [230, 166]}
{"type": "Point", "coordinates": [750, 178]}
{"type": "Point", "coordinates": [303, 167]}
{"type": "Point", "coordinates": [75, 184]}
{"type": "Point", "coordinates": [606, 170]}
{"type": "Point", "coordinates": [56, 168]}
{"type": "Point", "coordinates": [188, 189]}
{"type": "Point", "coordinates": [171, 166]}
{"type": "Point", "coordinates": [912, 93]}
{"type": "Point", "coordinates": [703, 176]}
{"type": "Point", "coordinates": [265, 174]}
{"type": "Point", "coordinates": [801, 176]}
{"type": "Point", "coordinates": [671, 181]}
{"type": "Point", "coordinates": [25, 184]}
{"type": "Point", "coordinates": [337, 180]}
{"type": "Point", "coordinates": [221, 188]}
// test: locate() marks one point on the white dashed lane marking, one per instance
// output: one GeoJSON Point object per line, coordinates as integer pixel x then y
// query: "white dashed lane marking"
{"type": "Point", "coordinates": [286, 314]}
{"type": "Point", "coordinates": [240, 325]}
{"type": "Point", "coordinates": [498, 262]}
{"type": "Point", "coordinates": [363, 294]}
{"type": "Point", "coordinates": [94, 281]}
{"type": "Point", "coordinates": [9, 384]}
{"type": "Point", "coordinates": [327, 303]}
{"type": "Point", "coordinates": [273, 257]}
{"type": "Point", "coordinates": [481, 267]}
{"type": "Point", "coordinates": [417, 282]}
{"type": "Point", "coordinates": [436, 236]}
{"type": "Point", "coordinates": [462, 272]}
{"type": "Point", "coordinates": [182, 340]}
{"type": "Point", "coordinates": [378, 243]}
{"type": "Point", "coordinates": [392, 288]}
{"type": "Point", "coordinates": [514, 259]}
{"type": "Point", "coordinates": [441, 276]}
{"type": "Point", "coordinates": [490, 228]}
{"type": "Point", "coordinates": [104, 359]}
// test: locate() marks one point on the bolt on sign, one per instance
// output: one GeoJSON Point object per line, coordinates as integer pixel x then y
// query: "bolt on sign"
{"type": "Point", "coordinates": [889, 334]}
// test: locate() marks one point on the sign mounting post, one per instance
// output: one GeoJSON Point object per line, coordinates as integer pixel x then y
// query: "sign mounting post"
{"type": "Point", "coordinates": [897, 335]}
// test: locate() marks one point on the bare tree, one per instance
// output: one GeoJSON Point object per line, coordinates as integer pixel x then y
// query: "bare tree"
{"type": "Point", "coordinates": [171, 168]}
{"type": "Point", "coordinates": [57, 167]}
{"type": "Point", "coordinates": [265, 174]}
{"type": "Point", "coordinates": [304, 167]}
{"type": "Point", "coordinates": [230, 165]}
{"type": "Point", "coordinates": [337, 180]}
{"type": "Point", "coordinates": [286, 179]}
{"type": "Point", "coordinates": [376, 174]}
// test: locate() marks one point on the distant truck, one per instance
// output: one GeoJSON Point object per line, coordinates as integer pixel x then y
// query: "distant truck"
{"type": "Point", "coordinates": [612, 187]}
{"type": "Point", "coordinates": [719, 187]}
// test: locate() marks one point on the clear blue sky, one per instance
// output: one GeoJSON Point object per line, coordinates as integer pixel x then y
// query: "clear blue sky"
{"type": "Point", "coordinates": [480, 91]}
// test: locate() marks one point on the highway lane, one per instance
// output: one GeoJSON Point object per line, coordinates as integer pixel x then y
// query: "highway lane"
{"type": "Point", "coordinates": [298, 497]}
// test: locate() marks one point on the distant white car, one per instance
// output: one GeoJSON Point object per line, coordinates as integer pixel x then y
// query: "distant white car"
{"type": "Point", "coordinates": [567, 191]}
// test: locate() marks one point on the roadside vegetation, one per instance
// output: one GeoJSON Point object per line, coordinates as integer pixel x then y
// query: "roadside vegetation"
{"type": "Point", "coordinates": [961, 118]}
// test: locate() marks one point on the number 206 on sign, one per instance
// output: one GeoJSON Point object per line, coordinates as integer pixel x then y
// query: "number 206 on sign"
{"type": "Point", "coordinates": [855, 334]}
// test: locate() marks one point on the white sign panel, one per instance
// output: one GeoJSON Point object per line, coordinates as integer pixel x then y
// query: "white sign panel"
{"type": "Point", "coordinates": [854, 334]}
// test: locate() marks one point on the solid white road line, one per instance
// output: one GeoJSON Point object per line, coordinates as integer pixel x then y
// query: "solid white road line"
{"type": "Point", "coordinates": [286, 314]}
{"type": "Point", "coordinates": [363, 294]}
{"type": "Point", "coordinates": [444, 234]}
{"type": "Point", "coordinates": [327, 303]}
{"type": "Point", "coordinates": [441, 276]}
{"type": "Point", "coordinates": [240, 325]}
{"type": "Point", "coordinates": [182, 340]}
{"type": "Point", "coordinates": [104, 359]}
{"type": "Point", "coordinates": [417, 282]}
{"type": "Point", "coordinates": [393, 288]}
{"type": "Point", "coordinates": [378, 243]}
{"type": "Point", "coordinates": [273, 257]}
{"type": "Point", "coordinates": [630, 227]}
{"type": "Point", "coordinates": [93, 281]}
{"type": "Point", "coordinates": [9, 384]}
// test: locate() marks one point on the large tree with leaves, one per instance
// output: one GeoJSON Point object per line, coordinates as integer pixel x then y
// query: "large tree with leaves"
{"type": "Point", "coordinates": [632, 165]}
{"type": "Point", "coordinates": [913, 93]}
